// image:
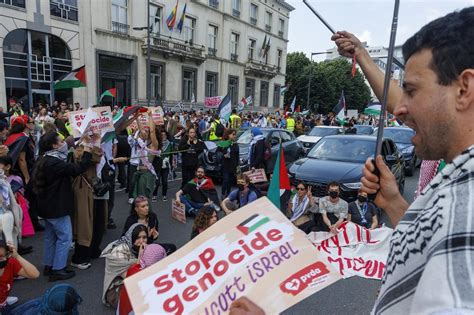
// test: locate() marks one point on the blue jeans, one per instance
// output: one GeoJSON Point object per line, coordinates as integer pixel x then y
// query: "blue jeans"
{"type": "Point", "coordinates": [227, 181]}
{"type": "Point", "coordinates": [189, 204]}
{"type": "Point", "coordinates": [57, 241]}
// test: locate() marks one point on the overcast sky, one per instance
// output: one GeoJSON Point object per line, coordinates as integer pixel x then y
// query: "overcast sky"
{"type": "Point", "coordinates": [369, 19]}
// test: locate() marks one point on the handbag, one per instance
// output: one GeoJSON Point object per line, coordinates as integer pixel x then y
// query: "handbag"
{"type": "Point", "coordinates": [98, 187]}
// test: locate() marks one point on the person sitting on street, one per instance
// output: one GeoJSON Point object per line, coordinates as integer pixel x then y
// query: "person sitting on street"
{"type": "Point", "coordinates": [239, 197]}
{"type": "Point", "coordinates": [152, 254]}
{"type": "Point", "coordinates": [363, 212]}
{"type": "Point", "coordinates": [206, 217]}
{"type": "Point", "coordinates": [11, 266]}
{"type": "Point", "coordinates": [140, 213]}
{"type": "Point", "coordinates": [119, 256]}
{"type": "Point", "coordinates": [299, 208]}
{"type": "Point", "coordinates": [333, 209]}
{"type": "Point", "coordinates": [198, 192]}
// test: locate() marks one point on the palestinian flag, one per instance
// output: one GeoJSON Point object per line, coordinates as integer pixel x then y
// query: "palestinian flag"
{"type": "Point", "coordinates": [252, 223]}
{"type": "Point", "coordinates": [283, 90]}
{"type": "Point", "coordinates": [15, 143]}
{"type": "Point", "coordinates": [224, 144]}
{"type": "Point", "coordinates": [124, 114]}
{"type": "Point", "coordinates": [205, 184]}
{"type": "Point", "coordinates": [279, 191]}
{"type": "Point", "coordinates": [373, 109]}
{"type": "Point", "coordinates": [340, 109]}
{"type": "Point", "coordinates": [110, 92]}
{"type": "Point", "coordinates": [74, 79]}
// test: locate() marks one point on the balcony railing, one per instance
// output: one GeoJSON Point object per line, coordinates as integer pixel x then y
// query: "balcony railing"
{"type": "Point", "coordinates": [211, 51]}
{"type": "Point", "coordinates": [121, 28]}
{"type": "Point", "coordinates": [268, 28]}
{"type": "Point", "coordinates": [260, 69]}
{"type": "Point", "coordinates": [235, 13]}
{"type": "Point", "coordinates": [214, 4]}
{"type": "Point", "coordinates": [280, 33]}
{"type": "Point", "coordinates": [64, 11]}
{"type": "Point", "coordinates": [253, 21]}
{"type": "Point", "coordinates": [172, 47]}
{"type": "Point", "coordinates": [234, 57]}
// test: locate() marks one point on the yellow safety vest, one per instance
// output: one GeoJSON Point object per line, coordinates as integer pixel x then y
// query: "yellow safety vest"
{"type": "Point", "coordinates": [290, 124]}
{"type": "Point", "coordinates": [235, 121]}
{"type": "Point", "coordinates": [212, 135]}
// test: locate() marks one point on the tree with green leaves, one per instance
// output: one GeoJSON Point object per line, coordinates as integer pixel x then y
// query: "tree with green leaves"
{"type": "Point", "coordinates": [328, 79]}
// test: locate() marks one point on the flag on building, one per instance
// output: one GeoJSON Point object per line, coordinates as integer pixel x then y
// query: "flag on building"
{"type": "Point", "coordinates": [340, 109]}
{"type": "Point", "coordinates": [225, 108]}
{"type": "Point", "coordinates": [262, 50]}
{"type": "Point", "coordinates": [74, 79]}
{"type": "Point", "coordinates": [181, 20]}
{"type": "Point", "coordinates": [171, 20]}
{"type": "Point", "coordinates": [279, 191]}
{"type": "Point", "coordinates": [292, 106]}
{"type": "Point", "coordinates": [267, 47]}
{"type": "Point", "coordinates": [110, 92]}
{"type": "Point", "coordinates": [283, 90]}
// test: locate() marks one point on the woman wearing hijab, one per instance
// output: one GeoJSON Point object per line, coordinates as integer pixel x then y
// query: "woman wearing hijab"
{"type": "Point", "coordinates": [257, 149]}
{"type": "Point", "coordinates": [119, 256]}
{"type": "Point", "coordinates": [152, 254]}
{"type": "Point", "coordinates": [299, 208]}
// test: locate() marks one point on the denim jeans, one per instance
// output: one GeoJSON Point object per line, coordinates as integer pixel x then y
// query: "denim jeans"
{"type": "Point", "coordinates": [57, 241]}
{"type": "Point", "coordinates": [227, 180]}
{"type": "Point", "coordinates": [189, 204]}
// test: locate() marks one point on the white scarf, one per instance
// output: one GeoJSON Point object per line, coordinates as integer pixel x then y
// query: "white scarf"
{"type": "Point", "coordinates": [298, 208]}
{"type": "Point", "coordinates": [57, 154]}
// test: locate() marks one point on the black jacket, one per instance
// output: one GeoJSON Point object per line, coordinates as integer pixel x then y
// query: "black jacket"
{"type": "Point", "coordinates": [133, 218]}
{"type": "Point", "coordinates": [56, 198]}
{"type": "Point", "coordinates": [191, 158]}
{"type": "Point", "coordinates": [258, 150]}
{"type": "Point", "coordinates": [229, 165]}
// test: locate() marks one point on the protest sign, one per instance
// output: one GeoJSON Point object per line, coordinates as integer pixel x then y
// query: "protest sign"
{"type": "Point", "coordinates": [100, 119]}
{"type": "Point", "coordinates": [212, 102]}
{"type": "Point", "coordinates": [255, 252]}
{"type": "Point", "coordinates": [355, 250]}
{"type": "Point", "coordinates": [178, 212]}
{"type": "Point", "coordinates": [157, 115]}
{"type": "Point", "coordinates": [257, 176]}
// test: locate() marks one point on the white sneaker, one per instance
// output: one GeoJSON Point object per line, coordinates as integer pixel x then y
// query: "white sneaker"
{"type": "Point", "coordinates": [130, 201]}
{"type": "Point", "coordinates": [82, 266]}
{"type": "Point", "coordinates": [12, 300]}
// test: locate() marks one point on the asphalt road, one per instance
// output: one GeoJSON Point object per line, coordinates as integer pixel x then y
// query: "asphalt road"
{"type": "Point", "coordinates": [350, 296]}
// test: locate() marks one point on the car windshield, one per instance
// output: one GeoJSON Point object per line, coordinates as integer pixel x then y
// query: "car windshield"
{"type": "Point", "coordinates": [323, 132]}
{"type": "Point", "coordinates": [246, 137]}
{"type": "Point", "coordinates": [399, 135]}
{"type": "Point", "coordinates": [343, 149]}
{"type": "Point", "coordinates": [364, 130]}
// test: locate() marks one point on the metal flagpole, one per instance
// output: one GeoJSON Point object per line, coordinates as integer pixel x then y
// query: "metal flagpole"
{"type": "Point", "coordinates": [319, 17]}
{"type": "Point", "coordinates": [386, 84]}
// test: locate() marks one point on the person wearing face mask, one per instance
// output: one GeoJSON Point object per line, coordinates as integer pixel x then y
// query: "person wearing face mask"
{"type": "Point", "coordinates": [52, 179]}
{"type": "Point", "coordinates": [363, 212]}
{"type": "Point", "coordinates": [119, 256]}
{"type": "Point", "coordinates": [241, 196]}
{"type": "Point", "coordinates": [332, 209]}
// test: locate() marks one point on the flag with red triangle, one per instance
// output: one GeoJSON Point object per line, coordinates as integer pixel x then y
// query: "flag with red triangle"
{"type": "Point", "coordinates": [279, 191]}
{"type": "Point", "coordinates": [74, 79]}
{"type": "Point", "coordinates": [110, 92]}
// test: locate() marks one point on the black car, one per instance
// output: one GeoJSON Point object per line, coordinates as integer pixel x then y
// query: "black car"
{"type": "Point", "coordinates": [292, 148]}
{"type": "Point", "coordinates": [402, 138]}
{"type": "Point", "coordinates": [341, 158]}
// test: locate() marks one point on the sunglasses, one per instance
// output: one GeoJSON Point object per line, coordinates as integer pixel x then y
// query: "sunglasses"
{"type": "Point", "coordinates": [300, 188]}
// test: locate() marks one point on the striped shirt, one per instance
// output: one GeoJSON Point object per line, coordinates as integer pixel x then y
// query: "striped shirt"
{"type": "Point", "coordinates": [430, 267]}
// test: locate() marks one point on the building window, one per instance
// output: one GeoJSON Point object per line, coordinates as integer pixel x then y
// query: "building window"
{"type": "Point", "coordinates": [157, 82]}
{"type": "Point", "coordinates": [155, 18]}
{"type": "Point", "coordinates": [250, 88]}
{"type": "Point", "coordinates": [189, 26]}
{"type": "Point", "coordinates": [119, 16]}
{"type": "Point", "coordinates": [236, 8]}
{"type": "Point", "coordinates": [276, 96]}
{"type": "Point", "coordinates": [281, 31]}
{"type": "Point", "coordinates": [234, 46]}
{"type": "Point", "coordinates": [214, 4]}
{"type": "Point", "coordinates": [252, 44]}
{"type": "Point", "coordinates": [211, 84]}
{"type": "Point", "coordinates": [253, 14]}
{"type": "Point", "coordinates": [279, 55]}
{"type": "Point", "coordinates": [234, 89]}
{"type": "Point", "coordinates": [212, 36]}
{"type": "Point", "coordinates": [264, 94]}
{"type": "Point", "coordinates": [65, 9]}
{"type": "Point", "coordinates": [268, 21]}
{"type": "Point", "coordinates": [115, 73]}
{"type": "Point", "coordinates": [189, 84]}
{"type": "Point", "coordinates": [15, 3]}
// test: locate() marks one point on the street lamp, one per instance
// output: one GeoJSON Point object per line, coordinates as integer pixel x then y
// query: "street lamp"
{"type": "Point", "coordinates": [309, 83]}
{"type": "Point", "coordinates": [148, 56]}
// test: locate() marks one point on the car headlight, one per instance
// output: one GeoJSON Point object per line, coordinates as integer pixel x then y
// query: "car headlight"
{"type": "Point", "coordinates": [353, 185]}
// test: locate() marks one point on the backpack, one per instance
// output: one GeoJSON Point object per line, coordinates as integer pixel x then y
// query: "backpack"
{"type": "Point", "coordinates": [219, 129]}
{"type": "Point", "coordinates": [267, 153]}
